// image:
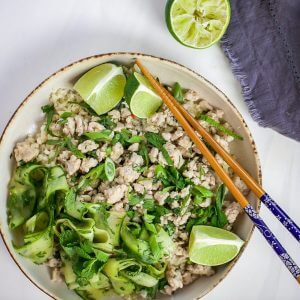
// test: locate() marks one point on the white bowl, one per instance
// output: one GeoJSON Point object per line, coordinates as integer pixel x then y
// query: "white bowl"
{"type": "Point", "coordinates": [28, 116]}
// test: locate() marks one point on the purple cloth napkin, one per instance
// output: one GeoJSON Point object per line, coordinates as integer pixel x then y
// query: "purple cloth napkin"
{"type": "Point", "coordinates": [263, 45]}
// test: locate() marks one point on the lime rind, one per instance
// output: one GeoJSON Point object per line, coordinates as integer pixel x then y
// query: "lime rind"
{"type": "Point", "coordinates": [197, 24]}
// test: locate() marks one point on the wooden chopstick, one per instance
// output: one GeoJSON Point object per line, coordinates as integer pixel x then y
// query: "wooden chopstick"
{"type": "Point", "coordinates": [258, 222]}
{"type": "Point", "coordinates": [275, 209]}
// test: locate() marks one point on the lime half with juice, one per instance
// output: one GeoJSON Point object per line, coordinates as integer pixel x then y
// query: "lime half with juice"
{"type": "Point", "coordinates": [102, 87]}
{"type": "Point", "coordinates": [212, 246]}
{"type": "Point", "coordinates": [141, 97]}
{"type": "Point", "coordinates": [197, 23]}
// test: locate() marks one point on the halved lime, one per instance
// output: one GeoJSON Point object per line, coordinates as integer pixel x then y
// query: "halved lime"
{"type": "Point", "coordinates": [212, 246]}
{"type": "Point", "coordinates": [197, 23]}
{"type": "Point", "coordinates": [141, 97]}
{"type": "Point", "coordinates": [102, 87]}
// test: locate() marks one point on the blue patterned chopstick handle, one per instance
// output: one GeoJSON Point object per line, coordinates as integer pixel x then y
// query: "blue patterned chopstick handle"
{"type": "Point", "coordinates": [277, 211]}
{"type": "Point", "coordinates": [273, 242]}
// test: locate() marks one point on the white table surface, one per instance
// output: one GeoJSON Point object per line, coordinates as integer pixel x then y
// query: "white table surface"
{"type": "Point", "coordinates": [39, 37]}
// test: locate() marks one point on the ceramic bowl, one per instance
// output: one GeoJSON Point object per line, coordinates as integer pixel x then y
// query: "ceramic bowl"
{"type": "Point", "coordinates": [28, 116]}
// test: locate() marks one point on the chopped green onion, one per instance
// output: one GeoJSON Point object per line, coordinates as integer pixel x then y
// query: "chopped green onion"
{"type": "Point", "coordinates": [109, 169]}
{"type": "Point", "coordinates": [220, 127]}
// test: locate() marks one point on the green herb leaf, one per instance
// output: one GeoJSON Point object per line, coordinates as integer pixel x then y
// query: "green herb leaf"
{"type": "Point", "coordinates": [56, 142]}
{"type": "Point", "coordinates": [134, 199]}
{"type": "Point", "coordinates": [148, 204]}
{"type": "Point", "coordinates": [73, 148]}
{"type": "Point", "coordinates": [170, 228]}
{"type": "Point", "coordinates": [219, 219]}
{"type": "Point", "coordinates": [166, 156]}
{"type": "Point", "coordinates": [220, 127]}
{"type": "Point", "coordinates": [99, 136]}
{"type": "Point", "coordinates": [177, 92]}
{"type": "Point", "coordinates": [49, 111]}
{"type": "Point", "coordinates": [143, 151]}
{"type": "Point", "coordinates": [136, 139]}
{"type": "Point", "coordinates": [155, 139]}
{"type": "Point", "coordinates": [107, 122]}
{"type": "Point", "coordinates": [203, 191]}
{"type": "Point", "coordinates": [154, 246]}
{"type": "Point", "coordinates": [64, 116]}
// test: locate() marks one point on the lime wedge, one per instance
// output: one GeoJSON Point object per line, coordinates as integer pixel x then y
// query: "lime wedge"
{"type": "Point", "coordinates": [102, 87]}
{"type": "Point", "coordinates": [197, 23]}
{"type": "Point", "coordinates": [212, 246]}
{"type": "Point", "coordinates": [141, 97]}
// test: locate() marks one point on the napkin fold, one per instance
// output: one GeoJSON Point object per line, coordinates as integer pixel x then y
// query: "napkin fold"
{"type": "Point", "coordinates": [262, 44]}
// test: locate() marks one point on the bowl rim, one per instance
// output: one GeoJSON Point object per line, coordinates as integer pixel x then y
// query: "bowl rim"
{"type": "Point", "coordinates": [155, 58]}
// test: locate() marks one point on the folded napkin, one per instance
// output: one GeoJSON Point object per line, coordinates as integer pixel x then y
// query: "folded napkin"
{"type": "Point", "coordinates": [263, 45]}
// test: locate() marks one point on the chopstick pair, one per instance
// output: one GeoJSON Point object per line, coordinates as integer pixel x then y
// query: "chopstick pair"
{"type": "Point", "coordinates": [188, 123]}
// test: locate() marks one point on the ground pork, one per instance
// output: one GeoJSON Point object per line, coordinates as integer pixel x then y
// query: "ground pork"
{"type": "Point", "coordinates": [26, 151]}
{"type": "Point", "coordinates": [115, 193]}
